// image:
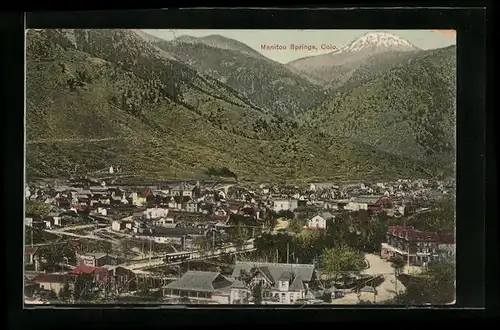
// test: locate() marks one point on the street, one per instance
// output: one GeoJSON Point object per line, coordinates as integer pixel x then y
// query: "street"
{"type": "Point", "coordinates": [385, 291]}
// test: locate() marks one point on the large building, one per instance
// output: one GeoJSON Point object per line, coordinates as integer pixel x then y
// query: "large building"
{"type": "Point", "coordinates": [414, 246]}
{"type": "Point", "coordinates": [285, 205]}
{"type": "Point", "coordinates": [281, 283]}
{"type": "Point", "coordinates": [369, 203]}
{"type": "Point", "coordinates": [200, 286]}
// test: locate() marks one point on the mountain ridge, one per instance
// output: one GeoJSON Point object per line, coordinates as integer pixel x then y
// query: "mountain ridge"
{"type": "Point", "coordinates": [167, 119]}
{"type": "Point", "coordinates": [328, 67]}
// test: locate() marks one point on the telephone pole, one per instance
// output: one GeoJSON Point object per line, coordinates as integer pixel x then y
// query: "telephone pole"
{"type": "Point", "coordinates": [150, 246]}
{"type": "Point", "coordinates": [287, 253]}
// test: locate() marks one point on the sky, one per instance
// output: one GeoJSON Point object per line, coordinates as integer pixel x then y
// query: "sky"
{"type": "Point", "coordinates": [425, 39]}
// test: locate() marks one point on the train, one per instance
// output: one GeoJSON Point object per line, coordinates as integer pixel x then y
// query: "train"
{"type": "Point", "coordinates": [177, 257]}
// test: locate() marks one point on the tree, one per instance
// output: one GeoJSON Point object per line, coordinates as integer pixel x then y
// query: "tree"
{"type": "Point", "coordinates": [435, 285]}
{"type": "Point", "coordinates": [296, 225]}
{"type": "Point", "coordinates": [51, 295]}
{"type": "Point", "coordinates": [83, 287]}
{"type": "Point", "coordinates": [125, 248]}
{"type": "Point", "coordinates": [342, 260]}
{"type": "Point", "coordinates": [256, 288]}
{"type": "Point", "coordinates": [397, 264]}
{"type": "Point", "coordinates": [257, 294]}
{"type": "Point", "coordinates": [35, 208]}
{"type": "Point", "coordinates": [270, 219]}
{"type": "Point", "coordinates": [65, 292]}
{"type": "Point", "coordinates": [286, 214]}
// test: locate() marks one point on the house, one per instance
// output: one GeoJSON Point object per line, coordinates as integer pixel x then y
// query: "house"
{"type": "Point", "coordinates": [369, 202]}
{"type": "Point", "coordinates": [117, 225]}
{"type": "Point", "coordinates": [31, 256]}
{"type": "Point", "coordinates": [120, 278]}
{"type": "Point", "coordinates": [239, 293]}
{"type": "Point", "coordinates": [28, 221]}
{"type": "Point", "coordinates": [99, 273]}
{"type": "Point", "coordinates": [199, 286]}
{"type": "Point", "coordinates": [164, 235]}
{"type": "Point", "coordinates": [320, 221]}
{"type": "Point", "coordinates": [102, 211]}
{"type": "Point", "coordinates": [164, 222]}
{"type": "Point", "coordinates": [250, 211]}
{"type": "Point", "coordinates": [285, 205]}
{"type": "Point", "coordinates": [183, 189]}
{"type": "Point", "coordinates": [446, 245]}
{"type": "Point", "coordinates": [282, 283]}
{"type": "Point", "coordinates": [155, 213]}
{"type": "Point", "coordinates": [331, 205]}
{"type": "Point", "coordinates": [80, 209]}
{"type": "Point", "coordinates": [96, 259]}
{"type": "Point", "coordinates": [191, 206]}
{"type": "Point", "coordinates": [51, 281]}
{"type": "Point", "coordinates": [62, 202]}
{"type": "Point", "coordinates": [414, 246]}
{"type": "Point", "coordinates": [54, 218]}
{"type": "Point", "coordinates": [367, 293]}
{"type": "Point", "coordinates": [83, 199]}
{"type": "Point", "coordinates": [142, 198]}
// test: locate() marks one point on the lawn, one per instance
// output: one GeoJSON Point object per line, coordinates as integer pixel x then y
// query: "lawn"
{"type": "Point", "coordinates": [281, 224]}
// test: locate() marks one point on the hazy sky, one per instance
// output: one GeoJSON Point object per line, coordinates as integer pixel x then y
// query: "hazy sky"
{"type": "Point", "coordinates": [425, 39]}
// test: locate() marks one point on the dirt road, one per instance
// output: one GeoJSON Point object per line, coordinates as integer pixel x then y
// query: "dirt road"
{"type": "Point", "coordinates": [385, 291]}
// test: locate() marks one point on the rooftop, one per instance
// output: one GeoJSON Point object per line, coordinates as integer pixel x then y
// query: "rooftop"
{"type": "Point", "coordinates": [302, 271]}
{"type": "Point", "coordinates": [200, 281]}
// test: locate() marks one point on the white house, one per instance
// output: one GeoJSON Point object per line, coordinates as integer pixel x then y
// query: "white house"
{"type": "Point", "coordinates": [28, 222]}
{"type": "Point", "coordinates": [111, 170]}
{"type": "Point", "coordinates": [117, 225]}
{"type": "Point", "coordinates": [312, 187]}
{"type": "Point", "coordinates": [320, 221]}
{"type": "Point", "coordinates": [102, 211]}
{"type": "Point", "coordinates": [164, 222]}
{"type": "Point", "coordinates": [285, 205]}
{"type": "Point", "coordinates": [155, 213]}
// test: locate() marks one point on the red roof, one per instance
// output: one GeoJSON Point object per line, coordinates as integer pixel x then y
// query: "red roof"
{"type": "Point", "coordinates": [87, 270]}
{"type": "Point", "coordinates": [80, 207]}
{"type": "Point", "coordinates": [223, 218]}
{"type": "Point", "coordinates": [51, 278]}
{"type": "Point", "coordinates": [446, 238]}
{"type": "Point", "coordinates": [32, 250]}
{"type": "Point", "coordinates": [413, 235]}
{"type": "Point", "coordinates": [146, 193]}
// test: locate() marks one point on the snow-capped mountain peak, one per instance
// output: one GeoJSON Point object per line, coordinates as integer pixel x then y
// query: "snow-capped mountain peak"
{"type": "Point", "coordinates": [380, 40]}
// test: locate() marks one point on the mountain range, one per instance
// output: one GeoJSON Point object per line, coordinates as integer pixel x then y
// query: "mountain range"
{"type": "Point", "coordinates": [380, 108]}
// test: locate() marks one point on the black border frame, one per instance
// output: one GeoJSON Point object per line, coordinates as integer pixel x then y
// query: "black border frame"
{"type": "Point", "coordinates": [471, 124]}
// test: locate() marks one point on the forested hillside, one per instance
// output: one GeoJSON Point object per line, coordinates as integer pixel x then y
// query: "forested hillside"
{"type": "Point", "coordinates": [404, 106]}
{"type": "Point", "coordinates": [100, 97]}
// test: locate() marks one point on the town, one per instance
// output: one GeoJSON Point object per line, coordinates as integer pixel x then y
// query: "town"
{"type": "Point", "coordinates": [96, 240]}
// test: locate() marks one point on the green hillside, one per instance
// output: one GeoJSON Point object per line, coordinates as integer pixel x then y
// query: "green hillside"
{"type": "Point", "coordinates": [266, 83]}
{"type": "Point", "coordinates": [404, 105]}
{"type": "Point", "coordinates": [100, 97]}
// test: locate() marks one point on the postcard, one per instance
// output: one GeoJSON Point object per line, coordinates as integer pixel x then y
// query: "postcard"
{"type": "Point", "coordinates": [240, 167]}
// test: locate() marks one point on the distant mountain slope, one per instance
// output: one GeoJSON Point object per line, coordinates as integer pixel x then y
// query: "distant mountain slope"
{"type": "Point", "coordinates": [406, 106]}
{"type": "Point", "coordinates": [333, 68]}
{"type": "Point", "coordinates": [267, 84]}
{"type": "Point", "coordinates": [219, 41]}
{"type": "Point", "coordinates": [100, 97]}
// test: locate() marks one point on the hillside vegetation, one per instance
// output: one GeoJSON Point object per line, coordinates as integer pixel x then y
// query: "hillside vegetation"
{"type": "Point", "coordinates": [404, 106]}
{"type": "Point", "coordinates": [100, 97]}
{"type": "Point", "coordinates": [268, 84]}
